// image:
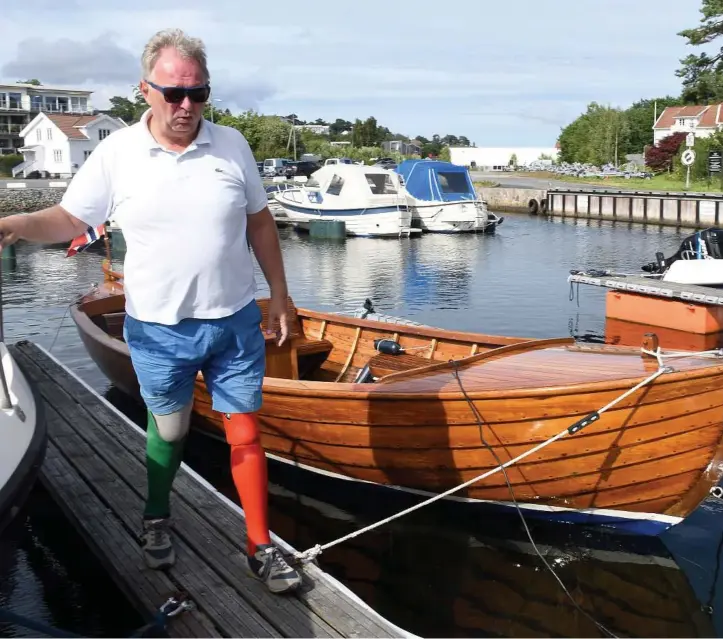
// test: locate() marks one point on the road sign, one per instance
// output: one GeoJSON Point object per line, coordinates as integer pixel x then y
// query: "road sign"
{"type": "Point", "coordinates": [688, 157]}
{"type": "Point", "coordinates": [690, 139]}
{"type": "Point", "coordinates": [714, 162]}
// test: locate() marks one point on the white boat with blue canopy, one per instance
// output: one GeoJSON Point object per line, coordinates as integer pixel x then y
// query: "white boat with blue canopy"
{"type": "Point", "coordinates": [369, 200]}
{"type": "Point", "coordinates": [443, 199]}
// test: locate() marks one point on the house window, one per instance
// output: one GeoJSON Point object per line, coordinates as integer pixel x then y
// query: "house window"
{"type": "Point", "coordinates": [86, 154]}
{"type": "Point", "coordinates": [50, 134]}
{"type": "Point", "coordinates": [39, 134]}
{"type": "Point", "coordinates": [58, 155]}
{"type": "Point", "coordinates": [103, 133]}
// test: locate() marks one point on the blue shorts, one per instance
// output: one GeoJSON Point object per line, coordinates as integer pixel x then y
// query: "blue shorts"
{"type": "Point", "coordinates": [230, 352]}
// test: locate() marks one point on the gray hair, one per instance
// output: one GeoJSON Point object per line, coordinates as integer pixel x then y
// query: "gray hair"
{"type": "Point", "coordinates": [177, 39]}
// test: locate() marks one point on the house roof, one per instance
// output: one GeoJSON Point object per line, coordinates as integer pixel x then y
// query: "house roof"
{"type": "Point", "coordinates": [710, 115]}
{"type": "Point", "coordinates": [70, 124]}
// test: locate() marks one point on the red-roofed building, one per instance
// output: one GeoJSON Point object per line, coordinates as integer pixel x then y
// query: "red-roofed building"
{"type": "Point", "coordinates": [59, 143]}
{"type": "Point", "coordinates": [703, 121]}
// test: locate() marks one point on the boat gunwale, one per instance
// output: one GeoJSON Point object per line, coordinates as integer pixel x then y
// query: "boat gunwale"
{"type": "Point", "coordinates": [386, 392]}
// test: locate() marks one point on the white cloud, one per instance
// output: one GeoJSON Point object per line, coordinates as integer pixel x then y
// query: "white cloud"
{"type": "Point", "coordinates": [500, 73]}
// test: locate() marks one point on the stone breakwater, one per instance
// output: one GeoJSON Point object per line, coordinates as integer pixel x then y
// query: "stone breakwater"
{"type": "Point", "coordinates": [28, 200]}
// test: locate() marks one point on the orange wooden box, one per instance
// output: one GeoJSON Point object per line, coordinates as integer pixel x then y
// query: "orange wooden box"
{"type": "Point", "coordinates": [659, 311]}
{"type": "Point", "coordinates": [622, 333]}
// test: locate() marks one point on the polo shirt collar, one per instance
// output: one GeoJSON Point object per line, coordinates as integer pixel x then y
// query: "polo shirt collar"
{"type": "Point", "coordinates": [203, 136]}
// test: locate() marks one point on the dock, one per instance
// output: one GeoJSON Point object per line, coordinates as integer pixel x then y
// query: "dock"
{"type": "Point", "coordinates": [651, 286]}
{"type": "Point", "coordinates": [95, 469]}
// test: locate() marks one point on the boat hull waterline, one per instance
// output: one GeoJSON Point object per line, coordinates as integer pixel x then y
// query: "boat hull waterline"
{"type": "Point", "coordinates": [643, 467]}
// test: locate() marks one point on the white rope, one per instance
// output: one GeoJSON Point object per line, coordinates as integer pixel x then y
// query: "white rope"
{"type": "Point", "coordinates": [660, 356]}
{"type": "Point", "coordinates": [315, 551]}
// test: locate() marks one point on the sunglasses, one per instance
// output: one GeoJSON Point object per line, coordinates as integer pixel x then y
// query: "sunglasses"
{"type": "Point", "coordinates": [175, 95]}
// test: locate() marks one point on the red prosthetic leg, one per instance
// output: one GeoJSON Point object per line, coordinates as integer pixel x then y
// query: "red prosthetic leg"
{"type": "Point", "coordinates": [248, 468]}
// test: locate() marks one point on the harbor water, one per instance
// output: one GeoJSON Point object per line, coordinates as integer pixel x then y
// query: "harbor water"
{"type": "Point", "coordinates": [439, 571]}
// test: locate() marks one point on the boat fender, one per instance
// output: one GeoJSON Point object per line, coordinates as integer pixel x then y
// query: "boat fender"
{"type": "Point", "coordinates": [388, 346]}
{"type": "Point", "coordinates": [543, 207]}
{"type": "Point", "coordinates": [364, 376]}
{"type": "Point", "coordinates": [532, 207]}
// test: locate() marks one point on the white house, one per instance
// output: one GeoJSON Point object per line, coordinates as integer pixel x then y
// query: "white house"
{"type": "Point", "coordinates": [59, 143]}
{"type": "Point", "coordinates": [702, 121]}
{"type": "Point", "coordinates": [19, 103]}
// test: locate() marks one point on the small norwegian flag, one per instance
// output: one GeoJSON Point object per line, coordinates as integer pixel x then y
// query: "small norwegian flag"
{"type": "Point", "coordinates": [82, 242]}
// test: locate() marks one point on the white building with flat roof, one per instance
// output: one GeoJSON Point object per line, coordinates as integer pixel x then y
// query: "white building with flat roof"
{"type": "Point", "coordinates": [498, 158]}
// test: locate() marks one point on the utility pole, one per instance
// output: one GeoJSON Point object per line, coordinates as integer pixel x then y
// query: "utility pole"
{"type": "Point", "coordinates": [616, 147]}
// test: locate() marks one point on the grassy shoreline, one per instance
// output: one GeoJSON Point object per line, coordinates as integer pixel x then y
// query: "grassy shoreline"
{"type": "Point", "coordinates": [656, 183]}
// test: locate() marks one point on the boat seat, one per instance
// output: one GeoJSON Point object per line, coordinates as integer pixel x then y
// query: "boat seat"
{"type": "Point", "coordinates": [383, 364]}
{"type": "Point", "coordinates": [114, 323]}
{"type": "Point", "coordinates": [310, 353]}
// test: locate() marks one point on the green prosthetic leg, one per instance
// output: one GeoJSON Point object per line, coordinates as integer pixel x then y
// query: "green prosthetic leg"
{"type": "Point", "coordinates": [163, 459]}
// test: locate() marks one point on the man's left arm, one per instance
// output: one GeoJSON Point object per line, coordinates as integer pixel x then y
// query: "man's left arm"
{"type": "Point", "coordinates": [264, 240]}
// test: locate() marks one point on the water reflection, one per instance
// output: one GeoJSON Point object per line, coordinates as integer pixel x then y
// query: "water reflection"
{"type": "Point", "coordinates": [442, 571]}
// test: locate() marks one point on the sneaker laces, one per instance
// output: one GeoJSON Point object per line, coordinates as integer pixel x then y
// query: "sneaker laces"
{"type": "Point", "coordinates": [158, 531]}
{"type": "Point", "coordinates": [277, 559]}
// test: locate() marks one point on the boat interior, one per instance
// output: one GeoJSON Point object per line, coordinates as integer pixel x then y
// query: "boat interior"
{"type": "Point", "coordinates": [325, 347]}
{"type": "Point", "coordinates": [324, 350]}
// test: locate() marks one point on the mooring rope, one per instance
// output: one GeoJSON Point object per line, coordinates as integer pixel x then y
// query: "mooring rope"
{"type": "Point", "coordinates": [311, 553]}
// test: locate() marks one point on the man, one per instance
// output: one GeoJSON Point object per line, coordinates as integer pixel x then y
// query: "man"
{"type": "Point", "coordinates": [187, 194]}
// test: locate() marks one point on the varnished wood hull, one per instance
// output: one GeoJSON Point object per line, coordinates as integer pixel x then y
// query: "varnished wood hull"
{"type": "Point", "coordinates": [645, 465]}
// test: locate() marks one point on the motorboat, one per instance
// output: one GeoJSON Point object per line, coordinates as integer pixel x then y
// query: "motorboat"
{"type": "Point", "coordinates": [698, 260]}
{"type": "Point", "coordinates": [23, 436]}
{"type": "Point", "coordinates": [443, 199]}
{"type": "Point", "coordinates": [368, 199]}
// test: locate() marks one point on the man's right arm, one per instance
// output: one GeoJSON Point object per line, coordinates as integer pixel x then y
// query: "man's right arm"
{"type": "Point", "coordinates": [86, 202]}
{"type": "Point", "coordinates": [53, 225]}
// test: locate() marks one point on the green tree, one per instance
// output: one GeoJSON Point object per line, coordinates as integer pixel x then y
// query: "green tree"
{"type": "Point", "coordinates": [701, 73]}
{"type": "Point", "coordinates": [599, 136]}
{"type": "Point", "coordinates": [33, 81]}
{"type": "Point", "coordinates": [640, 117]}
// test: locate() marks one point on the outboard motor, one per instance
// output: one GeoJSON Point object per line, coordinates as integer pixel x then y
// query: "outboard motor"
{"type": "Point", "coordinates": [368, 308]}
{"type": "Point", "coordinates": [700, 245]}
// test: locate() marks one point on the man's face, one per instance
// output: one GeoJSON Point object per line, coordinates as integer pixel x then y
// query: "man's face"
{"type": "Point", "coordinates": [171, 70]}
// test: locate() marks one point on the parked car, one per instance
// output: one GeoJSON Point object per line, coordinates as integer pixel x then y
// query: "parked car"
{"type": "Point", "coordinates": [301, 168]}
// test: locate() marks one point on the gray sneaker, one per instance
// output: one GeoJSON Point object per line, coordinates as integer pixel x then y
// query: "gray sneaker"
{"type": "Point", "coordinates": [157, 545]}
{"type": "Point", "coordinates": [269, 566]}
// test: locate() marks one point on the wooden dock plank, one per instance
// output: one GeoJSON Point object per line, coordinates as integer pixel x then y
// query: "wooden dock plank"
{"type": "Point", "coordinates": [107, 537]}
{"type": "Point", "coordinates": [98, 460]}
{"type": "Point", "coordinates": [212, 531]}
{"type": "Point", "coordinates": [230, 613]}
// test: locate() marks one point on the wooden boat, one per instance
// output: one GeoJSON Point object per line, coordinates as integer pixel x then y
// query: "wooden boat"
{"type": "Point", "coordinates": [645, 465]}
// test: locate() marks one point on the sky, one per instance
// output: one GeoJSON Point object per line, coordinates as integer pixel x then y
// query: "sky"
{"type": "Point", "coordinates": [500, 73]}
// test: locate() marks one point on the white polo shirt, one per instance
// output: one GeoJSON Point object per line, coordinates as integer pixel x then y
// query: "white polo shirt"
{"type": "Point", "coordinates": [183, 217]}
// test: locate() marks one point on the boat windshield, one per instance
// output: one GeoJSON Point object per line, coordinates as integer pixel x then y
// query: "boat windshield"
{"type": "Point", "coordinates": [380, 183]}
{"type": "Point", "coordinates": [455, 182]}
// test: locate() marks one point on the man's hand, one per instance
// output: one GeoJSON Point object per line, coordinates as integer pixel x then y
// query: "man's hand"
{"type": "Point", "coordinates": [277, 316]}
{"type": "Point", "coordinates": [11, 230]}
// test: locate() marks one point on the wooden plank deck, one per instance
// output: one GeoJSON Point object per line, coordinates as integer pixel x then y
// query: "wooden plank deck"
{"type": "Point", "coordinates": [95, 468]}
{"type": "Point", "coordinates": [652, 286]}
